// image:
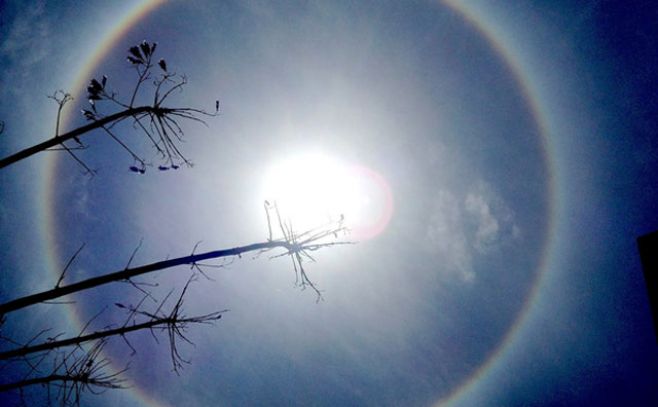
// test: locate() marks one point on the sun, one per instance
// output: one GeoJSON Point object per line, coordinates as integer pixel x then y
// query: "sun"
{"type": "Point", "coordinates": [313, 188]}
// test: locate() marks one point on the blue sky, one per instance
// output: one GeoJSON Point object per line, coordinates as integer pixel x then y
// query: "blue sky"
{"type": "Point", "coordinates": [517, 143]}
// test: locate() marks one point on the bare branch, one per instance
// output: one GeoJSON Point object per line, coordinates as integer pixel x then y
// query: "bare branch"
{"type": "Point", "coordinates": [70, 135]}
{"type": "Point", "coordinates": [85, 373]}
{"type": "Point", "coordinates": [289, 243]}
{"type": "Point", "coordinates": [61, 98]}
{"type": "Point", "coordinates": [163, 132]}
{"type": "Point", "coordinates": [68, 264]}
{"type": "Point", "coordinates": [74, 373]}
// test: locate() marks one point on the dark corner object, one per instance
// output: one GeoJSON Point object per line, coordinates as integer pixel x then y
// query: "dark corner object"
{"type": "Point", "coordinates": [648, 245]}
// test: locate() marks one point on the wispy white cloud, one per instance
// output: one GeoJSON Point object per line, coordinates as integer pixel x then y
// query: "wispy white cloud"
{"type": "Point", "coordinates": [446, 236]}
{"type": "Point", "coordinates": [493, 219]}
{"type": "Point", "coordinates": [81, 203]}
{"type": "Point", "coordinates": [487, 224]}
{"type": "Point", "coordinates": [465, 225]}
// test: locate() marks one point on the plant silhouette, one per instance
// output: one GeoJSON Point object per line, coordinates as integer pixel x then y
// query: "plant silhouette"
{"type": "Point", "coordinates": [68, 366]}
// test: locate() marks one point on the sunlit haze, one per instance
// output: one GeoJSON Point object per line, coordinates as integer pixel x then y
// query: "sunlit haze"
{"type": "Point", "coordinates": [313, 188]}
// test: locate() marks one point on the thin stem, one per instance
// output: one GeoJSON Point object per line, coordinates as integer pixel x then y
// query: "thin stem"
{"type": "Point", "coordinates": [26, 350]}
{"type": "Point", "coordinates": [77, 132]}
{"type": "Point", "coordinates": [129, 273]}
{"type": "Point", "coordinates": [35, 380]}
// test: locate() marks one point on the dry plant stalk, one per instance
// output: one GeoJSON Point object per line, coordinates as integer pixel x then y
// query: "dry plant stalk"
{"type": "Point", "coordinates": [156, 121]}
{"type": "Point", "coordinates": [80, 370]}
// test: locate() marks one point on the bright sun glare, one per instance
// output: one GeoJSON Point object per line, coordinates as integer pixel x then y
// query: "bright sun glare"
{"type": "Point", "coordinates": [312, 189]}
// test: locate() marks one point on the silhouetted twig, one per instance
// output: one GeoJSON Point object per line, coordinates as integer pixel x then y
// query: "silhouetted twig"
{"type": "Point", "coordinates": [174, 319]}
{"type": "Point", "coordinates": [296, 245]}
{"type": "Point", "coordinates": [74, 374]}
{"type": "Point", "coordinates": [158, 123]}
{"type": "Point", "coordinates": [77, 371]}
